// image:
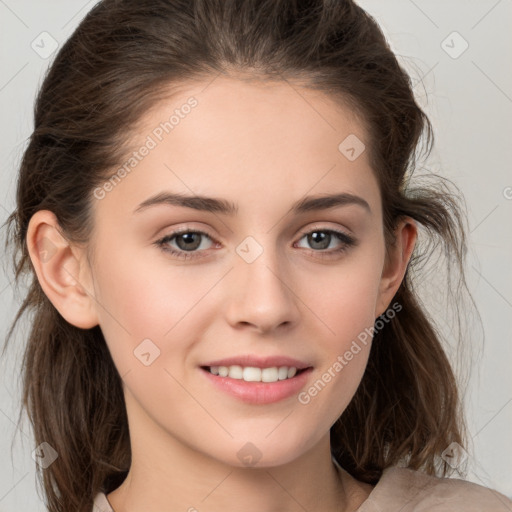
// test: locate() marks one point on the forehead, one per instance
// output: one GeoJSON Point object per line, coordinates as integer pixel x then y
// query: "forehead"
{"type": "Point", "coordinates": [269, 141]}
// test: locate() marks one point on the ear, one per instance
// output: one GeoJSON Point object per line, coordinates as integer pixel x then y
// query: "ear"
{"type": "Point", "coordinates": [62, 270]}
{"type": "Point", "coordinates": [398, 256]}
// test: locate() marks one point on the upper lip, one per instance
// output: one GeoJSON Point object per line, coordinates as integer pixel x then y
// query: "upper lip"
{"type": "Point", "coordinates": [259, 362]}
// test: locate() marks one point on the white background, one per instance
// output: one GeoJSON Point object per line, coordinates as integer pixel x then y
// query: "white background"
{"type": "Point", "coordinates": [469, 101]}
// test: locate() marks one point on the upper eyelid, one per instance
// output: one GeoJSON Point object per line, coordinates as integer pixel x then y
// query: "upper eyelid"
{"type": "Point", "coordinates": [320, 227]}
{"type": "Point", "coordinates": [303, 232]}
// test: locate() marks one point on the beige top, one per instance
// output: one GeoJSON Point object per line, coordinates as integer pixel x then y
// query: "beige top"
{"type": "Point", "coordinates": [412, 491]}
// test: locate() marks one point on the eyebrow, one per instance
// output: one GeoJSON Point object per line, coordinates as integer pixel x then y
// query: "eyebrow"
{"type": "Point", "coordinates": [215, 205]}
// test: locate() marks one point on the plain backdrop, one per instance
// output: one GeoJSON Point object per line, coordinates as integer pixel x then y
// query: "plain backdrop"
{"type": "Point", "coordinates": [458, 53]}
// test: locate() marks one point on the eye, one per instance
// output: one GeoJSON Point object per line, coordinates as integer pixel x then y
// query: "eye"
{"type": "Point", "coordinates": [320, 239]}
{"type": "Point", "coordinates": [187, 241]}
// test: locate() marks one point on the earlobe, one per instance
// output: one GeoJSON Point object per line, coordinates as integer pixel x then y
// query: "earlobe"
{"type": "Point", "coordinates": [60, 270]}
{"type": "Point", "coordinates": [395, 266]}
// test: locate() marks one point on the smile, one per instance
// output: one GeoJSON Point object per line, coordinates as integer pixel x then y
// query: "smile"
{"type": "Point", "coordinates": [257, 386]}
{"type": "Point", "coordinates": [253, 374]}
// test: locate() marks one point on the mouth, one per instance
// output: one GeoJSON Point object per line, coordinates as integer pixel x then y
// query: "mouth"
{"type": "Point", "coordinates": [257, 379]}
{"type": "Point", "coordinates": [255, 374]}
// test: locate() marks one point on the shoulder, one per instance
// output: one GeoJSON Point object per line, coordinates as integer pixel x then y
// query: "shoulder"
{"type": "Point", "coordinates": [416, 491]}
{"type": "Point", "coordinates": [101, 504]}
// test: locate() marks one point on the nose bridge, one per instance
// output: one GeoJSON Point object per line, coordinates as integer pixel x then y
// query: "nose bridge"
{"type": "Point", "coordinates": [261, 294]}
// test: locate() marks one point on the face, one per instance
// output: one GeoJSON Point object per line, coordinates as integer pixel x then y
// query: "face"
{"type": "Point", "coordinates": [246, 279]}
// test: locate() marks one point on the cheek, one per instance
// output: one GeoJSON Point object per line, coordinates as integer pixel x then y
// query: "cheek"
{"type": "Point", "coordinates": [344, 298]}
{"type": "Point", "coordinates": [139, 299]}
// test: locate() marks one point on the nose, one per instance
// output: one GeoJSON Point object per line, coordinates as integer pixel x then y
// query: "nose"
{"type": "Point", "coordinates": [260, 294]}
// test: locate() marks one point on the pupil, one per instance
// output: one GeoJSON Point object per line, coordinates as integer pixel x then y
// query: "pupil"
{"type": "Point", "coordinates": [319, 237]}
{"type": "Point", "coordinates": [189, 240]}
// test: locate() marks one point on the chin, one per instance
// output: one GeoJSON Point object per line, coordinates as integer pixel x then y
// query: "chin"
{"type": "Point", "coordinates": [262, 453]}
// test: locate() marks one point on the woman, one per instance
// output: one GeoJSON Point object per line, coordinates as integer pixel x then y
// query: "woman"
{"type": "Point", "coordinates": [216, 209]}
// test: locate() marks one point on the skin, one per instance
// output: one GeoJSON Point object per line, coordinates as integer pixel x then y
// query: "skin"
{"type": "Point", "coordinates": [262, 146]}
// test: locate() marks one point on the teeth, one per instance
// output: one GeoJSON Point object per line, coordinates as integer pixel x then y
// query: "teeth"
{"type": "Point", "coordinates": [252, 374]}
{"type": "Point", "coordinates": [291, 372]}
{"type": "Point", "coordinates": [269, 375]}
{"type": "Point", "coordinates": [282, 373]}
{"type": "Point", "coordinates": [235, 372]}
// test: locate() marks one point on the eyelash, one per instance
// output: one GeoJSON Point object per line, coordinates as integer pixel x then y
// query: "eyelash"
{"type": "Point", "coordinates": [346, 240]}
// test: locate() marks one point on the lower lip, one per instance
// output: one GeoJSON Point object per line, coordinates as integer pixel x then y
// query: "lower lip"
{"type": "Point", "coordinates": [259, 392]}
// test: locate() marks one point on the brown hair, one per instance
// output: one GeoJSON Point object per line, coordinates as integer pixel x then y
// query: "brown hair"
{"type": "Point", "coordinates": [120, 61]}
